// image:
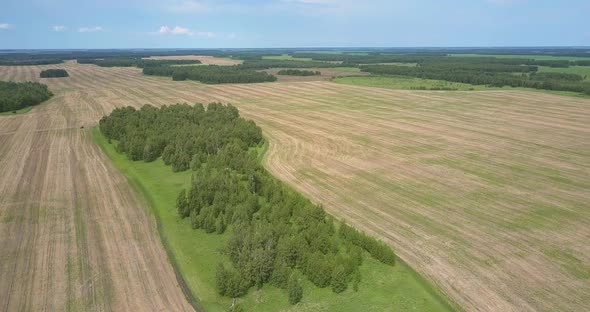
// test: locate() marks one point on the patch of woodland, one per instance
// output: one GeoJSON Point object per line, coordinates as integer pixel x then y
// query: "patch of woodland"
{"type": "Point", "coordinates": [277, 236]}
{"type": "Point", "coordinates": [54, 73]}
{"type": "Point", "coordinates": [18, 95]}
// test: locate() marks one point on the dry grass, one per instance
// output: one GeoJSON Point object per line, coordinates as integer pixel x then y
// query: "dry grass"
{"type": "Point", "coordinates": [485, 193]}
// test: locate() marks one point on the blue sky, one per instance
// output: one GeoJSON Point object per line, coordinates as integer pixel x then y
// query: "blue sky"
{"type": "Point", "coordinates": [65, 24]}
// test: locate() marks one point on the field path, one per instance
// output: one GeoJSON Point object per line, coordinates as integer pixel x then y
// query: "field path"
{"type": "Point", "coordinates": [484, 193]}
{"type": "Point", "coordinates": [73, 235]}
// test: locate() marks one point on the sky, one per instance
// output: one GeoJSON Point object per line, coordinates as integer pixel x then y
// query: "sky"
{"type": "Point", "coordinates": [81, 24]}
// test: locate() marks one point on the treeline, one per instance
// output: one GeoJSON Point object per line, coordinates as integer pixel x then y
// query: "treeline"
{"type": "Point", "coordinates": [430, 58]}
{"type": "Point", "coordinates": [495, 79]}
{"type": "Point", "coordinates": [355, 59]}
{"type": "Point", "coordinates": [277, 236]}
{"type": "Point", "coordinates": [17, 95]}
{"type": "Point", "coordinates": [212, 74]}
{"type": "Point", "coordinates": [54, 73]}
{"type": "Point", "coordinates": [22, 62]}
{"type": "Point", "coordinates": [41, 57]}
{"type": "Point", "coordinates": [297, 72]}
{"type": "Point", "coordinates": [135, 62]}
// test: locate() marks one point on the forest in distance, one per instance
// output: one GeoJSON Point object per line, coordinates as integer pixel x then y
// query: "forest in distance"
{"type": "Point", "coordinates": [437, 64]}
{"type": "Point", "coordinates": [277, 235]}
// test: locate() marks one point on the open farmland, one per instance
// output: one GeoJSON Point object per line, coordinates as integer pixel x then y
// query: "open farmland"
{"type": "Point", "coordinates": [485, 193]}
{"type": "Point", "coordinates": [73, 235]}
{"type": "Point", "coordinates": [326, 74]}
{"type": "Point", "coordinates": [205, 60]}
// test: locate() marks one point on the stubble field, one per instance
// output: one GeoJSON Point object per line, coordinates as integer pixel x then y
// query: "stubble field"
{"type": "Point", "coordinates": [484, 193]}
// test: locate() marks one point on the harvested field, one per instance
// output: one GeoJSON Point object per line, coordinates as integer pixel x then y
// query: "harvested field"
{"type": "Point", "coordinates": [485, 193]}
{"type": "Point", "coordinates": [73, 234]}
{"type": "Point", "coordinates": [206, 60]}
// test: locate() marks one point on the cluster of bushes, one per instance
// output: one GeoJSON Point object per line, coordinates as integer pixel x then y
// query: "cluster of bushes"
{"type": "Point", "coordinates": [547, 81]}
{"type": "Point", "coordinates": [374, 247]}
{"type": "Point", "coordinates": [297, 72]}
{"type": "Point", "coordinates": [211, 74]}
{"type": "Point", "coordinates": [17, 95]}
{"type": "Point", "coordinates": [54, 73]}
{"type": "Point", "coordinates": [277, 236]}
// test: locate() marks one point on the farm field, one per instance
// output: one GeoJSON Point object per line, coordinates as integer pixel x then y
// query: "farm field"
{"type": "Point", "coordinates": [327, 74]}
{"type": "Point", "coordinates": [73, 236]}
{"type": "Point", "coordinates": [407, 83]}
{"type": "Point", "coordinates": [285, 57]}
{"type": "Point", "coordinates": [205, 60]}
{"type": "Point", "coordinates": [484, 193]}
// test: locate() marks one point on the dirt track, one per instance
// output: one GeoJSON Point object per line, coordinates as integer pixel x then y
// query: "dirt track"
{"type": "Point", "coordinates": [485, 193]}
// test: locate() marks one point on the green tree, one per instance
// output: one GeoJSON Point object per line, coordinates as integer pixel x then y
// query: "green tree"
{"type": "Point", "coordinates": [182, 204]}
{"type": "Point", "coordinates": [339, 281]}
{"type": "Point", "coordinates": [295, 290]}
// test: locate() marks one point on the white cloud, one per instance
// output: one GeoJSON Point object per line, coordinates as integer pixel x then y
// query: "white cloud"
{"type": "Point", "coordinates": [164, 30]}
{"type": "Point", "coordinates": [177, 30]}
{"type": "Point", "coordinates": [181, 31]}
{"type": "Point", "coordinates": [90, 29]}
{"type": "Point", "coordinates": [5, 26]}
{"type": "Point", "coordinates": [59, 28]}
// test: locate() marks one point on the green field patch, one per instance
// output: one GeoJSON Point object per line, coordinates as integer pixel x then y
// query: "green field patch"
{"type": "Point", "coordinates": [195, 255]}
{"type": "Point", "coordinates": [583, 71]}
{"type": "Point", "coordinates": [541, 216]}
{"type": "Point", "coordinates": [569, 262]}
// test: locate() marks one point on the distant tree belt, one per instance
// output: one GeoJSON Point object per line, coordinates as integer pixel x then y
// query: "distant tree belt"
{"type": "Point", "coordinates": [276, 235]}
{"type": "Point", "coordinates": [211, 74]}
{"type": "Point", "coordinates": [18, 95]}
{"type": "Point", "coordinates": [54, 73]}
{"type": "Point", "coordinates": [135, 62]}
{"type": "Point", "coordinates": [21, 62]}
{"type": "Point", "coordinates": [266, 64]}
{"type": "Point", "coordinates": [423, 58]}
{"type": "Point", "coordinates": [560, 82]}
{"type": "Point", "coordinates": [297, 72]}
